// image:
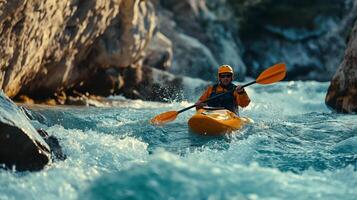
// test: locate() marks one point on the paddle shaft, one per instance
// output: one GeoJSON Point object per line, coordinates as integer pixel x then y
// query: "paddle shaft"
{"type": "Point", "coordinates": [209, 99]}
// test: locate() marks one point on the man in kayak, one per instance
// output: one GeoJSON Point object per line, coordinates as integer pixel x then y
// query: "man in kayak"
{"type": "Point", "coordinates": [229, 101]}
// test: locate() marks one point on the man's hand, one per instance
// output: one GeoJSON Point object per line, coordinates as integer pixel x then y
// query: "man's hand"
{"type": "Point", "coordinates": [199, 104]}
{"type": "Point", "coordinates": [239, 89]}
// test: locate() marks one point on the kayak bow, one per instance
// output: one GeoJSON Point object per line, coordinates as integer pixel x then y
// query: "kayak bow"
{"type": "Point", "coordinates": [216, 122]}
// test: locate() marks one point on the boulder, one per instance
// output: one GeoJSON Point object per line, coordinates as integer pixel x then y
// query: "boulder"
{"type": "Point", "coordinates": [21, 147]}
{"type": "Point", "coordinates": [342, 92]}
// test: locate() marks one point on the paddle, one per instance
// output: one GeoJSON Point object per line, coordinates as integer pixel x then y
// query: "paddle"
{"type": "Point", "coordinates": [271, 75]}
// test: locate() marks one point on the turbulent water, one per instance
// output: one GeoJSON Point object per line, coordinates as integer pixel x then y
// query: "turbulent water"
{"type": "Point", "coordinates": [296, 149]}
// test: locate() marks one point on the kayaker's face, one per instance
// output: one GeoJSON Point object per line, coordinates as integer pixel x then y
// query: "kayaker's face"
{"type": "Point", "coordinates": [225, 79]}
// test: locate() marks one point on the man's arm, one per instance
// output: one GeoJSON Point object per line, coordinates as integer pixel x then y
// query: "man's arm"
{"type": "Point", "coordinates": [204, 97]}
{"type": "Point", "coordinates": [242, 98]}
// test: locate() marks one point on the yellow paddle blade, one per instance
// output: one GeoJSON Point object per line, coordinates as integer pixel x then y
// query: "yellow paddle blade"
{"type": "Point", "coordinates": [273, 74]}
{"type": "Point", "coordinates": [164, 118]}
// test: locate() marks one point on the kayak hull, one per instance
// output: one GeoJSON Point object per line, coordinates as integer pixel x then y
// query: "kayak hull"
{"type": "Point", "coordinates": [216, 122]}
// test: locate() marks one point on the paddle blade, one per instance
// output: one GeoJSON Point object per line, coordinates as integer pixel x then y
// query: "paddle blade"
{"type": "Point", "coordinates": [273, 74]}
{"type": "Point", "coordinates": [164, 118]}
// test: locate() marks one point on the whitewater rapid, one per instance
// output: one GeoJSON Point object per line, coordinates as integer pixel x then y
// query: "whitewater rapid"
{"type": "Point", "coordinates": [296, 149]}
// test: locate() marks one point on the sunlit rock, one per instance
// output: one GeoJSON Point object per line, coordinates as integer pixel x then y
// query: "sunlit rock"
{"type": "Point", "coordinates": [51, 46]}
{"type": "Point", "coordinates": [342, 93]}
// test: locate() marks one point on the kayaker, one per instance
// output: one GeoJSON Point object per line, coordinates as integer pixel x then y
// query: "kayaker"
{"type": "Point", "coordinates": [229, 101]}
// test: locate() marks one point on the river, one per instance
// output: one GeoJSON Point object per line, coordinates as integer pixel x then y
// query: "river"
{"type": "Point", "coordinates": [295, 149]}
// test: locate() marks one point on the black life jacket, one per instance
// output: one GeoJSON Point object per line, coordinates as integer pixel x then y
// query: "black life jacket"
{"type": "Point", "coordinates": [227, 100]}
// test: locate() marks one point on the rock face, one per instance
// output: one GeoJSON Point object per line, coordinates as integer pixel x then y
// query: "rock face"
{"type": "Point", "coordinates": [21, 147]}
{"type": "Point", "coordinates": [342, 93]}
{"type": "Point", "coordinates": [51, 46]}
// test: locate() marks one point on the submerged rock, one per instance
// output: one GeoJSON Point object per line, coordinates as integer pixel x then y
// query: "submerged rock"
{"type": "Point", "coordinates": [53, 142]}
{"type": "Point", "coordinates": [21, 147]}
{"type": "Point", "coordinates": [342, 93]}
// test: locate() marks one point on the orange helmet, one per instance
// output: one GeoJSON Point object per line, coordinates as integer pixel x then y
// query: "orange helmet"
{"type": "Point", "coordinates": [225, 69]}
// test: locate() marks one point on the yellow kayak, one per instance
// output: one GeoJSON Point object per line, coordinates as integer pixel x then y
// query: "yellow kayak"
{"type": "Point", "coordinates": [216, 122]}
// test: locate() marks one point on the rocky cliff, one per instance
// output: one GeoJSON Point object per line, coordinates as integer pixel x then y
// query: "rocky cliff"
{"type": "Point", "coordinates": [147, 48]}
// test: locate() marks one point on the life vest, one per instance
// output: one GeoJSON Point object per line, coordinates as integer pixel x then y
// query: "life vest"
{"type": "Point", "coordinates": [227, 100]}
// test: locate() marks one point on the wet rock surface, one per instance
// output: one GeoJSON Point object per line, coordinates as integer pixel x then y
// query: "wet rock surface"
{"type": "Point", "coordinates": [21, 147]}
{"type": "Point", "coordinates": [52, 141]}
